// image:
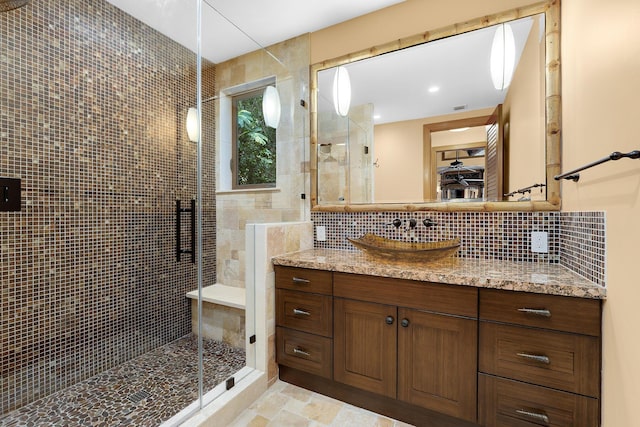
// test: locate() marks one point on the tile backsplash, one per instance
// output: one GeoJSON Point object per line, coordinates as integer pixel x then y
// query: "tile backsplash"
{"type": "Point", "coordinates": [583, 244]}
{"type": "Point", "coordinates": [573, 237]}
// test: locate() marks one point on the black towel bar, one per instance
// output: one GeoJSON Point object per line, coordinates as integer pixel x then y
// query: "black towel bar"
{"type": "Point", "coordinates": [616, 155]}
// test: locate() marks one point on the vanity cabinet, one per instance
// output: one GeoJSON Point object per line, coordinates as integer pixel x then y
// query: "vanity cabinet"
{"type": "Point", "coordinates": [539, 360]}
{"type": "Point", "coordinates": [440, 355]}
{"type": "Point", "coordinates": [304, 320]}
{"type": "Point", "coordinates": [412, 341]}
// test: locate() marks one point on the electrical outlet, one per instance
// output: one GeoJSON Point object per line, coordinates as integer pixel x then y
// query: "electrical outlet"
{"type": "Point", "coordinates": [540, 242]}
{"type": "Point", "coordinates": [321, 233]}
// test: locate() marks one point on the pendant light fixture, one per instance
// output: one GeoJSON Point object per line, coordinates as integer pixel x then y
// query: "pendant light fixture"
{"type": "Point", "coordinates": [341, 91]}
{"type": "Point", "coordinates": [192, 125]}
{"type": "Point", "coordinates": [503, 56]}
{"type": "Point", "coordinates": [271, 106]}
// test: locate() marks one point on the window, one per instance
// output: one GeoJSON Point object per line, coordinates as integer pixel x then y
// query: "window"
{"type": "Point", "coordinates": [254, 143]}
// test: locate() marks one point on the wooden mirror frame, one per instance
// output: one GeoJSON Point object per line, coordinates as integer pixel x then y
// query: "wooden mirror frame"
{"type": "Point", "coordinates": [551, 9]}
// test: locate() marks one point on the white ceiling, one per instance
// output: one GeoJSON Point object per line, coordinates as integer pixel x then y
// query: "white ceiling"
{"type": "Point", "coordinates": [265, 21]}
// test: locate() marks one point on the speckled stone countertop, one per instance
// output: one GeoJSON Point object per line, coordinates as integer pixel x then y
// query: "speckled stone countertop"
{"type": "Point", "coordinates": [539, 278]}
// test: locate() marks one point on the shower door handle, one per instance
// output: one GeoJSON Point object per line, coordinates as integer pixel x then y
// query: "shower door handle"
{"type": "Point", "coordinates": [179, 211]}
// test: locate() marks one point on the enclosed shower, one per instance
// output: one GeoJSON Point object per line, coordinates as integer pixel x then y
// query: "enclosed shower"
{"type": "Point", "coordinates": [96, 327]}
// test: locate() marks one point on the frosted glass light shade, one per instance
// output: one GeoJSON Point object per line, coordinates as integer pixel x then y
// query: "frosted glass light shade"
{"type": "Point", "coordinates": [341, 91]}
{"type": "Point", "coordinates": [192, 125]}
{"type": "Point", "coordinates": [271, 106]}
{"type": "Point", "coordinates": [503, 57]}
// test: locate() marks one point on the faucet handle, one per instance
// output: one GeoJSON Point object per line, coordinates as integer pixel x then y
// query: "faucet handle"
{"type": "Point", "coordinates": [428, 222]}
{"type": "Point", "coordinates": [396, 223]}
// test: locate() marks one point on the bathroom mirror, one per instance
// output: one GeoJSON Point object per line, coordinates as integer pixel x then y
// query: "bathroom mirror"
{"type": "Point", "coordinates": [348, 153]}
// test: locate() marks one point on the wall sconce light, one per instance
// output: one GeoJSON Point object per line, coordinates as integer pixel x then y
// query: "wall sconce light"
{"type": "Point", "coordinates": [503, 56]}
{"type": "Point", "coordinates": [271, 106]}
{"type": "Point", "coordinates": [193, 130]}
{"type": "Point", "coordinates": [341, 91]}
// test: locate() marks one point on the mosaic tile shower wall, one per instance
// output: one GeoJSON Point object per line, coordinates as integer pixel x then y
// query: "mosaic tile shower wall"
{"type": "Point", "coordinates": [574, 237]}
{"type": "Point", "coordinates": [92, 106]}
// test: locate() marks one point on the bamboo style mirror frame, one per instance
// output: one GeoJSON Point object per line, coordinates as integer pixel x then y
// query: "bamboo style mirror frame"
{"type": "Point", "coordinates": [552, 107]}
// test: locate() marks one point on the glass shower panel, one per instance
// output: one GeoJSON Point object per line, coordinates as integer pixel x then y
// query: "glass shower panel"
{"type": "Point", "coordinates": [94, 103]}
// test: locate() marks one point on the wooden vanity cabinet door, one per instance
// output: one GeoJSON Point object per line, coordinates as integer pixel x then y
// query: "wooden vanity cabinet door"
{"type": "Point", "coordinates": [437, 366]}
{"type": "Point", "coordinates": [365, 346]}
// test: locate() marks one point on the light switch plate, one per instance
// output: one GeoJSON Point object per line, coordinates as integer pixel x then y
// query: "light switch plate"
{"type": "Point", "coordinates": [540, 242]}
{"type": "Point", "coordinates": [321, 233]}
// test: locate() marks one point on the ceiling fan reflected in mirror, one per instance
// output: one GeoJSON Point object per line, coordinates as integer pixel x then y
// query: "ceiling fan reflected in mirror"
{"type": "Point", "coordinates": [460, 174]}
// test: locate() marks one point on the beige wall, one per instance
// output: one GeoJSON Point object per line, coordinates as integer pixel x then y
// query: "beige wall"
{"type": "Point", "coordinates": [402, 20]}
{"type": "Point", "coordinates": [399, 149]}
{"type": "Point", "coordinates": [601, 84]}
{"type": "Point", "coordinates": [524, 114]}
{"type": "Point", "coordinates": [601, 65]}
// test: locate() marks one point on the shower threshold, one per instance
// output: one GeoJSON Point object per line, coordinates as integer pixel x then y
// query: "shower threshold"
{"type": "Point", "coordinates": [145, 391]}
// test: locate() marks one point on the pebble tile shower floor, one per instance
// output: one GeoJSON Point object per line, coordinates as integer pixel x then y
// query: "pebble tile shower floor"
{"type": "Point", "coordinates": [142, 392]}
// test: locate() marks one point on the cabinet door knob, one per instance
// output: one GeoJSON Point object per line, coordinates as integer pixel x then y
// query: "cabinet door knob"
{"type": "Point", "coordinates": [389, 320]}
{"type": "Point", "coordinates": [405, 323]}
{"type": "Point", "coordinates": [536, 311]}
{"type": "Point", "coordinates": [299, 312]}
{"type": "Point", "coordinates": [535, 357]}
{"type": "Point", "coordinates": [534, 415]}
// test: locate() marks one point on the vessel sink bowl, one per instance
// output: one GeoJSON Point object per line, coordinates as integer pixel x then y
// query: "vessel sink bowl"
{"type": "Point", "coordinates": [390, 250]}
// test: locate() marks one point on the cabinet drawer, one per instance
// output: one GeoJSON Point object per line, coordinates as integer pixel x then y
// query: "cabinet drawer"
{"type": "Point", "coordinates": [304, 279]}
{"type": "Point", "coordinates": [559, 360]}
{"type": "Point", "coordinates": [305, 312]}
{"type": "Point", "coordinates": [309, 353]}
{"type": "Point", "coordinates": [568, 314]}
{"type": "Point", "coordinates": [511, 403]}
{"type": "Point", "coordinates": [434, 297]}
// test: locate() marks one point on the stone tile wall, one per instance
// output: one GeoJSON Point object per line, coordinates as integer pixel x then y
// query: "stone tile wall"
{"type": "Point", "coordinates": [237, 208]}
{"type": "Point", "coordinates": [92, 106]}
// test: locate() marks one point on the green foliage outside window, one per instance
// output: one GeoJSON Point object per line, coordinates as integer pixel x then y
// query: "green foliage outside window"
{"type": "Point", "coordinates": [255, 144]}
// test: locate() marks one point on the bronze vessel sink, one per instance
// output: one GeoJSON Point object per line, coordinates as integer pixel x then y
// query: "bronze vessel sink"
{"type": "Point", "coordinates": [390, 250]}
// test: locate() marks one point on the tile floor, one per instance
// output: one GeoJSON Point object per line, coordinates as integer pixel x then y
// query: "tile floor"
{"type": "Point", "coordinates": [142, 392]}
{"type": "Point", "coordinates": [285, 405]}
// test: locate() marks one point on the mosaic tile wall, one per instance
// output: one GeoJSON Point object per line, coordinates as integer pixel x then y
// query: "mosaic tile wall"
{"type": "Point", "coordinates": [573, 237]}
{"type": "Point", "coordinates": [583, 244]}
{"type": "Point", "coordinates": [92, 106]}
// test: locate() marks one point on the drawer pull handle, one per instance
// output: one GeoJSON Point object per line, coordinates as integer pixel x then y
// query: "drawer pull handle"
{"type": "Point", "coordinates": [301, 352]}
{"type": "Point", "coordinates": [300, 281]}
{"type": "Point", "coordinates": [537, 358]}
{"type": "Point", "coordinates": [299, 312]}
{"type": "Point", "coordinates": [535, 311]}
{"type": "Point", "coordinates": [538, 416]}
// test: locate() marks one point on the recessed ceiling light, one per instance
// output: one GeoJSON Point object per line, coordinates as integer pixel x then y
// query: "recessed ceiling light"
{"type": "Point", "coordinates": [434, 89]}
{"type": "Point", "coordinates": [376, 116]}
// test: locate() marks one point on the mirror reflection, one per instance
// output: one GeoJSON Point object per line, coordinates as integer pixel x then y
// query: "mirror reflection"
{"type": "Point", "coordinates": [404, 105]}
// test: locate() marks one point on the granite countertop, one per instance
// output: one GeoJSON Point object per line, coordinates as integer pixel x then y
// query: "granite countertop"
{"type": "Point", "coordinates": [541, 278]}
